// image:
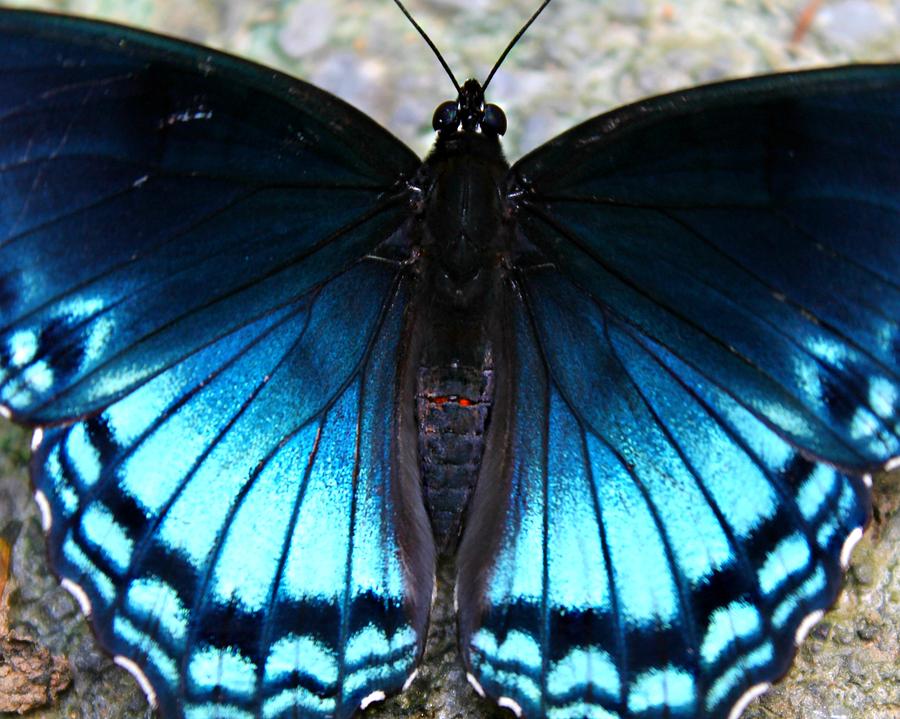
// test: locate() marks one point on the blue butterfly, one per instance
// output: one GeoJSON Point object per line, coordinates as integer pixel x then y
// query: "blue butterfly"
{"type": "Point", "coordinates": [281, 369]}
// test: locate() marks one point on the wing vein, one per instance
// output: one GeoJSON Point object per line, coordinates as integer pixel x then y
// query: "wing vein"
{"type": "Point", "coordinates": [621, 659]}
{"type": "Point", "coordinates": [201, 596]}
{"type": "Point", "coordinates": [545, 531]}
{"type": "Point", "coordinates": [736, 548]}
{"type": "Point", "coordinates": [110, 469]}
{"type": "Point", "coordinates": [789, 398]}
{"type": "Point", "coordinates": [141, 548]}
{"type": "Point", "coordinates": [786, 501]}
{"type": "Point", "coordinates": [159, 330]}
{"type": "Point", "coordinates": [690, 629]}
{"type": "Point", "coordinates": [804, 312]}
{"type": "Point", "coordinates": [269, 621]}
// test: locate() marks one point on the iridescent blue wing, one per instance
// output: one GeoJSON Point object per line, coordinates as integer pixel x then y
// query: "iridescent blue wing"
{"type": "Point", "coordinates": [156, 195]}
{"type": "Point", "coordinates": [201, 302]}
{"type": "Point", "coordinates": [707, 360]}
{"type": "Point", "coordinates": [229, 524]}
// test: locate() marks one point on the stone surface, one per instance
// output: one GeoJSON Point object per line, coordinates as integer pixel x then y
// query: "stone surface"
{"type": "Point", "coordinates": [581, 58]}
{"type": "Point", "coordinates": [30, 676]}
{"type": "Point", "coordinates": [853, 23]}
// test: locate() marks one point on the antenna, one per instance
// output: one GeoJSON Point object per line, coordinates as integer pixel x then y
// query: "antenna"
{"type": "Point", "coordinates": [497, 64]}
{"type": "Point", "coordinates": [432, 45]}
{"type": "Point", "coordinates": [512, 43]}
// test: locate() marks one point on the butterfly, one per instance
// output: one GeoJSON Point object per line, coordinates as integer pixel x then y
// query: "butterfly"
{"type": "Point", "coordinates": [243, 371]}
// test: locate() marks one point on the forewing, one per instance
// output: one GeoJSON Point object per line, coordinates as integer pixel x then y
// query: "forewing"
{"type": "Point", "coordinates": [753, 228]}
{"type": "Point", "coordinates": [155, 196]}
{"type": "Point", "coordinates": [706, 365]}
{"type": "Point", "coordinates": [229, 525]}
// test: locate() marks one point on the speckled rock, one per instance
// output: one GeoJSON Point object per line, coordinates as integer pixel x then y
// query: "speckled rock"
{"type": "Point", "coordinates": [853, 23]}
{"type": "Point", "coordinates": [581, 58]}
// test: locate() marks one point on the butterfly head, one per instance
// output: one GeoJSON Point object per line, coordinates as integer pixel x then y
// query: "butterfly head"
{"type": "Point", "coordinates": [470, 112]}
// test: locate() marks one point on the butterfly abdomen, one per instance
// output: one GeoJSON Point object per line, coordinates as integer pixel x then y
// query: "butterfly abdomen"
{"type": "Point", "coordinates": [462, 233]}
{"type": "Point", "coordinates": [453, 407]}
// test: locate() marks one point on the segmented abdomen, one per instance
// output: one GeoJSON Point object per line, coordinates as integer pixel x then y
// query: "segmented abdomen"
{"type": "Point", "coordinates": [453, 407]}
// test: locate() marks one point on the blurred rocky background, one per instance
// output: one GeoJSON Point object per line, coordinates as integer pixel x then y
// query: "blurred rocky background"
{"type": "Point", "coordinates": [581, 58]}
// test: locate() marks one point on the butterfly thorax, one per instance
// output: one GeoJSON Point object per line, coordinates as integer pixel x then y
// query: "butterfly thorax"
{"type": "Point", "coordinates": [463, 227]}
{"type": "Point", "coordinates": [462, 234]}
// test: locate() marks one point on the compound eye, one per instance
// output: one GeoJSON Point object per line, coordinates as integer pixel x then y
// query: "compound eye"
{"type": "Point", "coordinates": [446, 117]}
{"type": "Point", "coordinates": [494, 120]}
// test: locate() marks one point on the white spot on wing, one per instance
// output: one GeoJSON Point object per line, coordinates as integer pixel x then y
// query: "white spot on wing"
{"type": "Point", "coordinates": [44, 506]}
{"type": "Point", "coordinates": [867, 480]}
{"type": "Point", "coordinates": [409, 680]}
{"type": "Point", "coordinates": [80, 596]}
{"type": "Point", "coordinates": [4, 412]}
{"type": "Point", "coordinates": [36, 439]}
{"type": "Point", "coordinates": [190, 115]}
{"type": "Point", "coordinates": [748, 696]}
{"type": "Point", "coordinates": [139, 676]}
{"type": "Point", "coordinates": [849, 543]}
{"type": "Point", "coordinates": [476, 685]}
{"type": "Point", "coordinates": [376, 696]}
{"type": "Point", "coordinates": [892, 464]}
{"type": "Point", "coordinates": [38, 376]}
{"type": "Point", "coordinates": [23, 347]}
{"type": "Point", "coordinates": [510, 704]}
{"type": "Point", "coordinates": [809, 621]}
